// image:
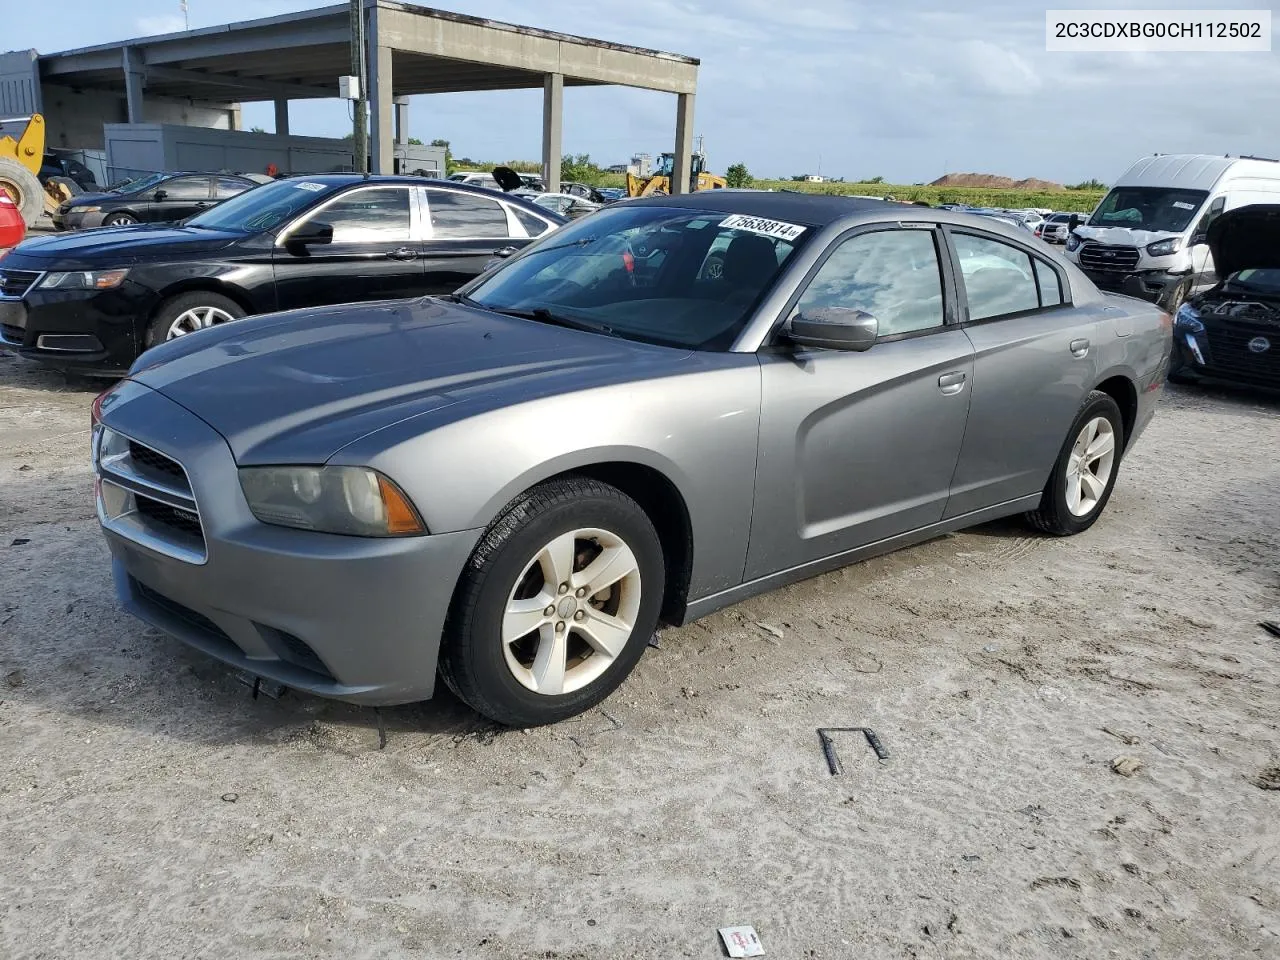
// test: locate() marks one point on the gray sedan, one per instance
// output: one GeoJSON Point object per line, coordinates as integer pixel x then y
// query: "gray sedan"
{"type": "Point", "coordinates": [510, 487]}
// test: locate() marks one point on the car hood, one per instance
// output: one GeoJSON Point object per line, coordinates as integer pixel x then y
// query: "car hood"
{"type": "Point", "coordinates": [85, 199]}
{"type": "Point", "coordinates": [120, 246]}
{"type": "Point", "coordinates": [1244, 238]}
{"type": "Point", "coordinates": [296, 387]}
{"type": "Point", "coordinates": [1123, 236]}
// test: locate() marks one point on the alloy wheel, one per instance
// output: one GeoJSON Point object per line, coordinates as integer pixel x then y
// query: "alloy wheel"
{"type": "Point", "coordinates": [197, 318]}
{"type": "Point", "coordinates": [571, 612]}
{"type": "Point", "coordinates": [1089, 466]}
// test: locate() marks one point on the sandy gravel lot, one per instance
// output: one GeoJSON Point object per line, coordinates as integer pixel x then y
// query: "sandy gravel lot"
{"type": "Point", "coordinates": [150, 808]}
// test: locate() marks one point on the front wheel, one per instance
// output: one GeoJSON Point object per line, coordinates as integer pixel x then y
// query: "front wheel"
{"type": "Point", "coordinates": [119, 220]}
{"type": "Point", "coordinates": [189, 313]}
{"type": "Point", "coordinates": [556, 605]}
{"type": "Point", "coordinates": [1085, 472]}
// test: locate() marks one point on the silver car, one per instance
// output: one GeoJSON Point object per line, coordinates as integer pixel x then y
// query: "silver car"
{"type": "Point", "coordinates": [510, 487]}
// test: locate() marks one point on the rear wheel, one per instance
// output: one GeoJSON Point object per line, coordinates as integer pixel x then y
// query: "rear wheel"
{"type": "Point", "coordinates": [189, 312]}
{"type": "Point", "coordinates": [1086, 469]}
{"type": "Point", "coordinates": [556, 604]}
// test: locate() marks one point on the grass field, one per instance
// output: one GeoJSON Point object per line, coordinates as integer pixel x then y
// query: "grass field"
{"type": "Point", "coordinates": [1065, 201]}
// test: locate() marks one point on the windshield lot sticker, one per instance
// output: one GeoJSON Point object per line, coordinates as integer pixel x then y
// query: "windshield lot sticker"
{"type": "Point", "coordinates": [766, 228]}
{"type": "Point", "coordinates": [307, 185]}
{"type": "Point", "coordinates": [1183, 205]}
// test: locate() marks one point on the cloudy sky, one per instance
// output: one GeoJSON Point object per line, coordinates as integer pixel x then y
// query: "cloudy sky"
{"type": "Point", "coordinates": [906, 90]}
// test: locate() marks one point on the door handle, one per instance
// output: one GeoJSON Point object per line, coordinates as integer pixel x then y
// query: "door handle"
{"type": "Point", "coordinates": [402, 253]}
{"type": "Point", "coordinates": [1080, 348]}
{"type": "Point", "coordinates": [204, 203]}
{"type": "Point", "coordinates": [951, 383]}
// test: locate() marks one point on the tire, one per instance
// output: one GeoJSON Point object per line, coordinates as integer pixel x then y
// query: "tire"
{"type": "Point", "coordinates": [24, 188]}
{"type": "Point", "coordinates": [120, 219]}
{"type": "Point", "coordinates": [197, 310]}
{"type": "Point", "coordinates": [496, 669]}
{"type": "Point", "coordinates": [1174, 296]}
{"type": "Point", "coordinates": [1057, 515]}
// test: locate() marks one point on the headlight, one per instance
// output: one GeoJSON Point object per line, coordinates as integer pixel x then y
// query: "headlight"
{"type": "Point", "coordinates": [84, 210]}
{"type": "Point", "coordinates": [1073, 242]}
{"type": "Point", "coordinates": [1188, 319]}
{"type": "Point", "coordinates": [1164, 248]}
{"type": "Point", "coordinates": [354, 501]}
{"type": "Point", "coordinates": [84, 280]}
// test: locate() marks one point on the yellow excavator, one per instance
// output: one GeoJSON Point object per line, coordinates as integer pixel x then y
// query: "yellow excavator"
{"type": "Point", "coordinates": [660, 182]}
{"type": "Point", "coordinates": [20, 161]}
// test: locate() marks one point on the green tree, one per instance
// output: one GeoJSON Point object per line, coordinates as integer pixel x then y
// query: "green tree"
{"type": "Point", "coordinates": [579, 168]}
{"type": "Point", "coordinates": [737, 175]}
{"type": "Point", "coordinates": [1087, 185]}
{"type": "Point", "coordinates": [873, 180]}
{"type": "Point", "coordinates": [415, 142]}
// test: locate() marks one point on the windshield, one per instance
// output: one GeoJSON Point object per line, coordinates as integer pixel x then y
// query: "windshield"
{"type": "Point", "coordinates": [262, 208]}
{"type": "Point", "coordinates": [664, 275]}
{"type": "Point", "coordinates": [1261, 279]}
{"type": "Point", "coordinates": [141, 183]}
{"type": "Point", "coordinates": [1148, 208]}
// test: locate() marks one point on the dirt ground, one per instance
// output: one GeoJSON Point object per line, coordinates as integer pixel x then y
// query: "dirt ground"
{"type": "Point", "coordinates": [150, 808]}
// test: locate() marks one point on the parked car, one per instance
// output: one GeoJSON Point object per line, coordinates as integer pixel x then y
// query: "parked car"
{"type": "Point", "coordinates": [565, 204]}
{"type": "Point", "coordinates": [475, 178]}
{"type": "Point", "coordinates": [1055, 228]}
{"type": "Point", "coordinates": [157, 198]}
{"type": "Point", "coordinates": [512, 485]}
{"type": "Point", "coordinates": [610, 194]}
{"type": "Point", "coordinates": [1232, 330]}
{"type": "Point", "coordinates": [90, 302]}
{"type": "Point", "coordinates": [55, 165]}
{"type": "Point", "coordinates": [12, 227]}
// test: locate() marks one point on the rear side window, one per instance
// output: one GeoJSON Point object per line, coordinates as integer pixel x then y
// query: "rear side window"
{"type": "Point", "coordinates": [534, 226]}
{"type": "Point", "coordinates": [998, 278]}
{"type": "Point", "coordinates": [463, 216]}
{"type": "Point", "coordinates": [228, 187]}
{"type": "Point", "coordinates": [892, 274]}
{"type": "Point", "coordinates": [1050, 285]}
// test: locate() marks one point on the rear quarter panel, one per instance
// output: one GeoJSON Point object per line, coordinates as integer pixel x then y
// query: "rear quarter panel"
{"type": "Point", "coordinates": [699, 428]}
{"type": "Point", "coordinates": [1137, 346]}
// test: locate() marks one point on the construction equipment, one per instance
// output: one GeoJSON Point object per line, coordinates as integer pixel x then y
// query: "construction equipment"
{"type": "Point", "coordinates": [20, 161]}
{"type": "Point", "coordinates": [660, 182]}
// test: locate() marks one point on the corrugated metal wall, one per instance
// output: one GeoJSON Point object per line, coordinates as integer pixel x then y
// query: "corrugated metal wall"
{"type": "Point", "coordinates": [19, 84]}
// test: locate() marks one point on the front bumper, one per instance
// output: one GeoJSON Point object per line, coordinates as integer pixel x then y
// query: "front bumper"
{"type": "Point", "coordinates": [1224, 353]}
{"type": "Point", "coordinates": [74, 219]}
{"type": "Point", "coordinates": [353, 618]}
{"type": "Point", "coordinates": [95, 332]}
{"type": "Point", "coordinates": [1146, 284]}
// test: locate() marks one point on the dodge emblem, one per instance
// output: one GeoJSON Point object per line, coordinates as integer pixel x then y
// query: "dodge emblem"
{"type": "Point", "coordinates": [1259, 345]}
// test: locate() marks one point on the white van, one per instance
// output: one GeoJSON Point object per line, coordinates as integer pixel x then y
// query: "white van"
{"type": "Point", "coordinates": [1147, 236]}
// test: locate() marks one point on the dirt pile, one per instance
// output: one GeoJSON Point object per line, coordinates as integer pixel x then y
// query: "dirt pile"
{"type": "Point", "coordinates": [991, 181]}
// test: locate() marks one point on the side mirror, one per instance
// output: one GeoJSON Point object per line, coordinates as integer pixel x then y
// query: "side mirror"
{"type": "Point", "coordinates": [1197, 239]}
{"type": "Point", "coordinates": [835, 328]}
{"type": "Point", "coordinates": [160, 195]}
{"type": "Point", "coordinates": [503, 252]}
{"type": "Point", "coordinates": [311, 232]}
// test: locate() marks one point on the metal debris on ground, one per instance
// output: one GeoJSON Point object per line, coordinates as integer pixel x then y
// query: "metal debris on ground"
{"type": "Point", "coordinates": [382, 728]}
{"type": "Point", "coordinates": [20, 541]}
{"type": "Point", "coordinates": [653, 641]}
{"type": "Point", "coordinates": [829, 747]}
{"type": "Point", "coordinates": [741, 942]}
{"type": "Point", "coordinates": [1125, 738]}
{"type": "Point", "coordinates": [258, 685]}
{"type": "Point", "coordinates": [770, 629]}
{"type": "Point", "coordinates": [230, 797]}
{"type": "Point", "coordinates": [1271, 627]}
{"type": "Point", "coordinates": [1126, 766]}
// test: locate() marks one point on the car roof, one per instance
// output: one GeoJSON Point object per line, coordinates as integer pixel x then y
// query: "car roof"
{"type": "Point", "coordinates": [350, 179]}
{"type": "Point", "coordinates": [811, 208]}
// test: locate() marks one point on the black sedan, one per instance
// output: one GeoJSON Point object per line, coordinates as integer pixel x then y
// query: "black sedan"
{"type": "Point", "coordinates": [92, 302]}
{"type": "Point", "coordinates": [1232, 330]}
{"type": "Point", "coordinates": [157, 198]}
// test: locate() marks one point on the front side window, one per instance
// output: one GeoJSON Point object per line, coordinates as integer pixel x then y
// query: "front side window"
{"type": "Point", "coordinates": [1210, 215]}
{"type": "Point", "coordinates": [1148, 208]}
{"type": "Point", "coordinates": [891, 274]}
{"type": "Point", "coordinates": [185, 188]}
{"type": "Point", "coordinates": [464, 216]}
{"type": "Point", "coordinates": [373, 215]}
{"type": "Point", "coordinates": [998, 277]}
{"type": "Point", "coordinates": [640, 273]}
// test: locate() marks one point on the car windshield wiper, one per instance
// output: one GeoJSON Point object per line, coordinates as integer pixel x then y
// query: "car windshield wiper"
{"type": "Point", "coordinates": [543, 315]}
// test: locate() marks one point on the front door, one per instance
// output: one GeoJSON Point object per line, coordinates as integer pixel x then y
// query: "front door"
{"type": "Point", "coordinates": [1035, 359]}
{"type": "Point", "coordinates": [465, 230]}
{"type": "Point", "coordinates": [375, 253]}
{"type": "Point", "coordinates": [859, 447]}
{"type": "Point", "coordinates": [178, 199]}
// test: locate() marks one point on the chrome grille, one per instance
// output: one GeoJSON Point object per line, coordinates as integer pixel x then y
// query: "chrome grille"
{"type": "Point", "coordinates": [145, 496]}
{"type": "Point", "coordinates": [14, 283]}
{"type": "Point", "coordinates": [1107, 256]}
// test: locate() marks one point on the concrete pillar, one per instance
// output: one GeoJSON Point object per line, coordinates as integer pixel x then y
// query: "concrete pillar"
{"type": "Point", "coordinates": [552, 128]}
{"type": "Point", "coordinates": [684, 144]}
{"type": "Point", "coordinates": [133, 77]}
{"type": "Point", "coordinates": [402, 120]}
{"type": "Point", "coordinates": [382, 107]}
{"type": "Point", "coordinates": [282, 118]}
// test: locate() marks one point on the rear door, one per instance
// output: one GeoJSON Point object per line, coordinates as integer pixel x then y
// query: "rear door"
{"type": "Point", "coordinates": [178, 199]}
{"type": "Point", "coordinates": [859, 447]}
{"type": "Point", "coordinates": [1034, 361]}
{"type": "Point", "coordinates": [375, 254]}
{"type": "Point", "coordinates": [464, 230]}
